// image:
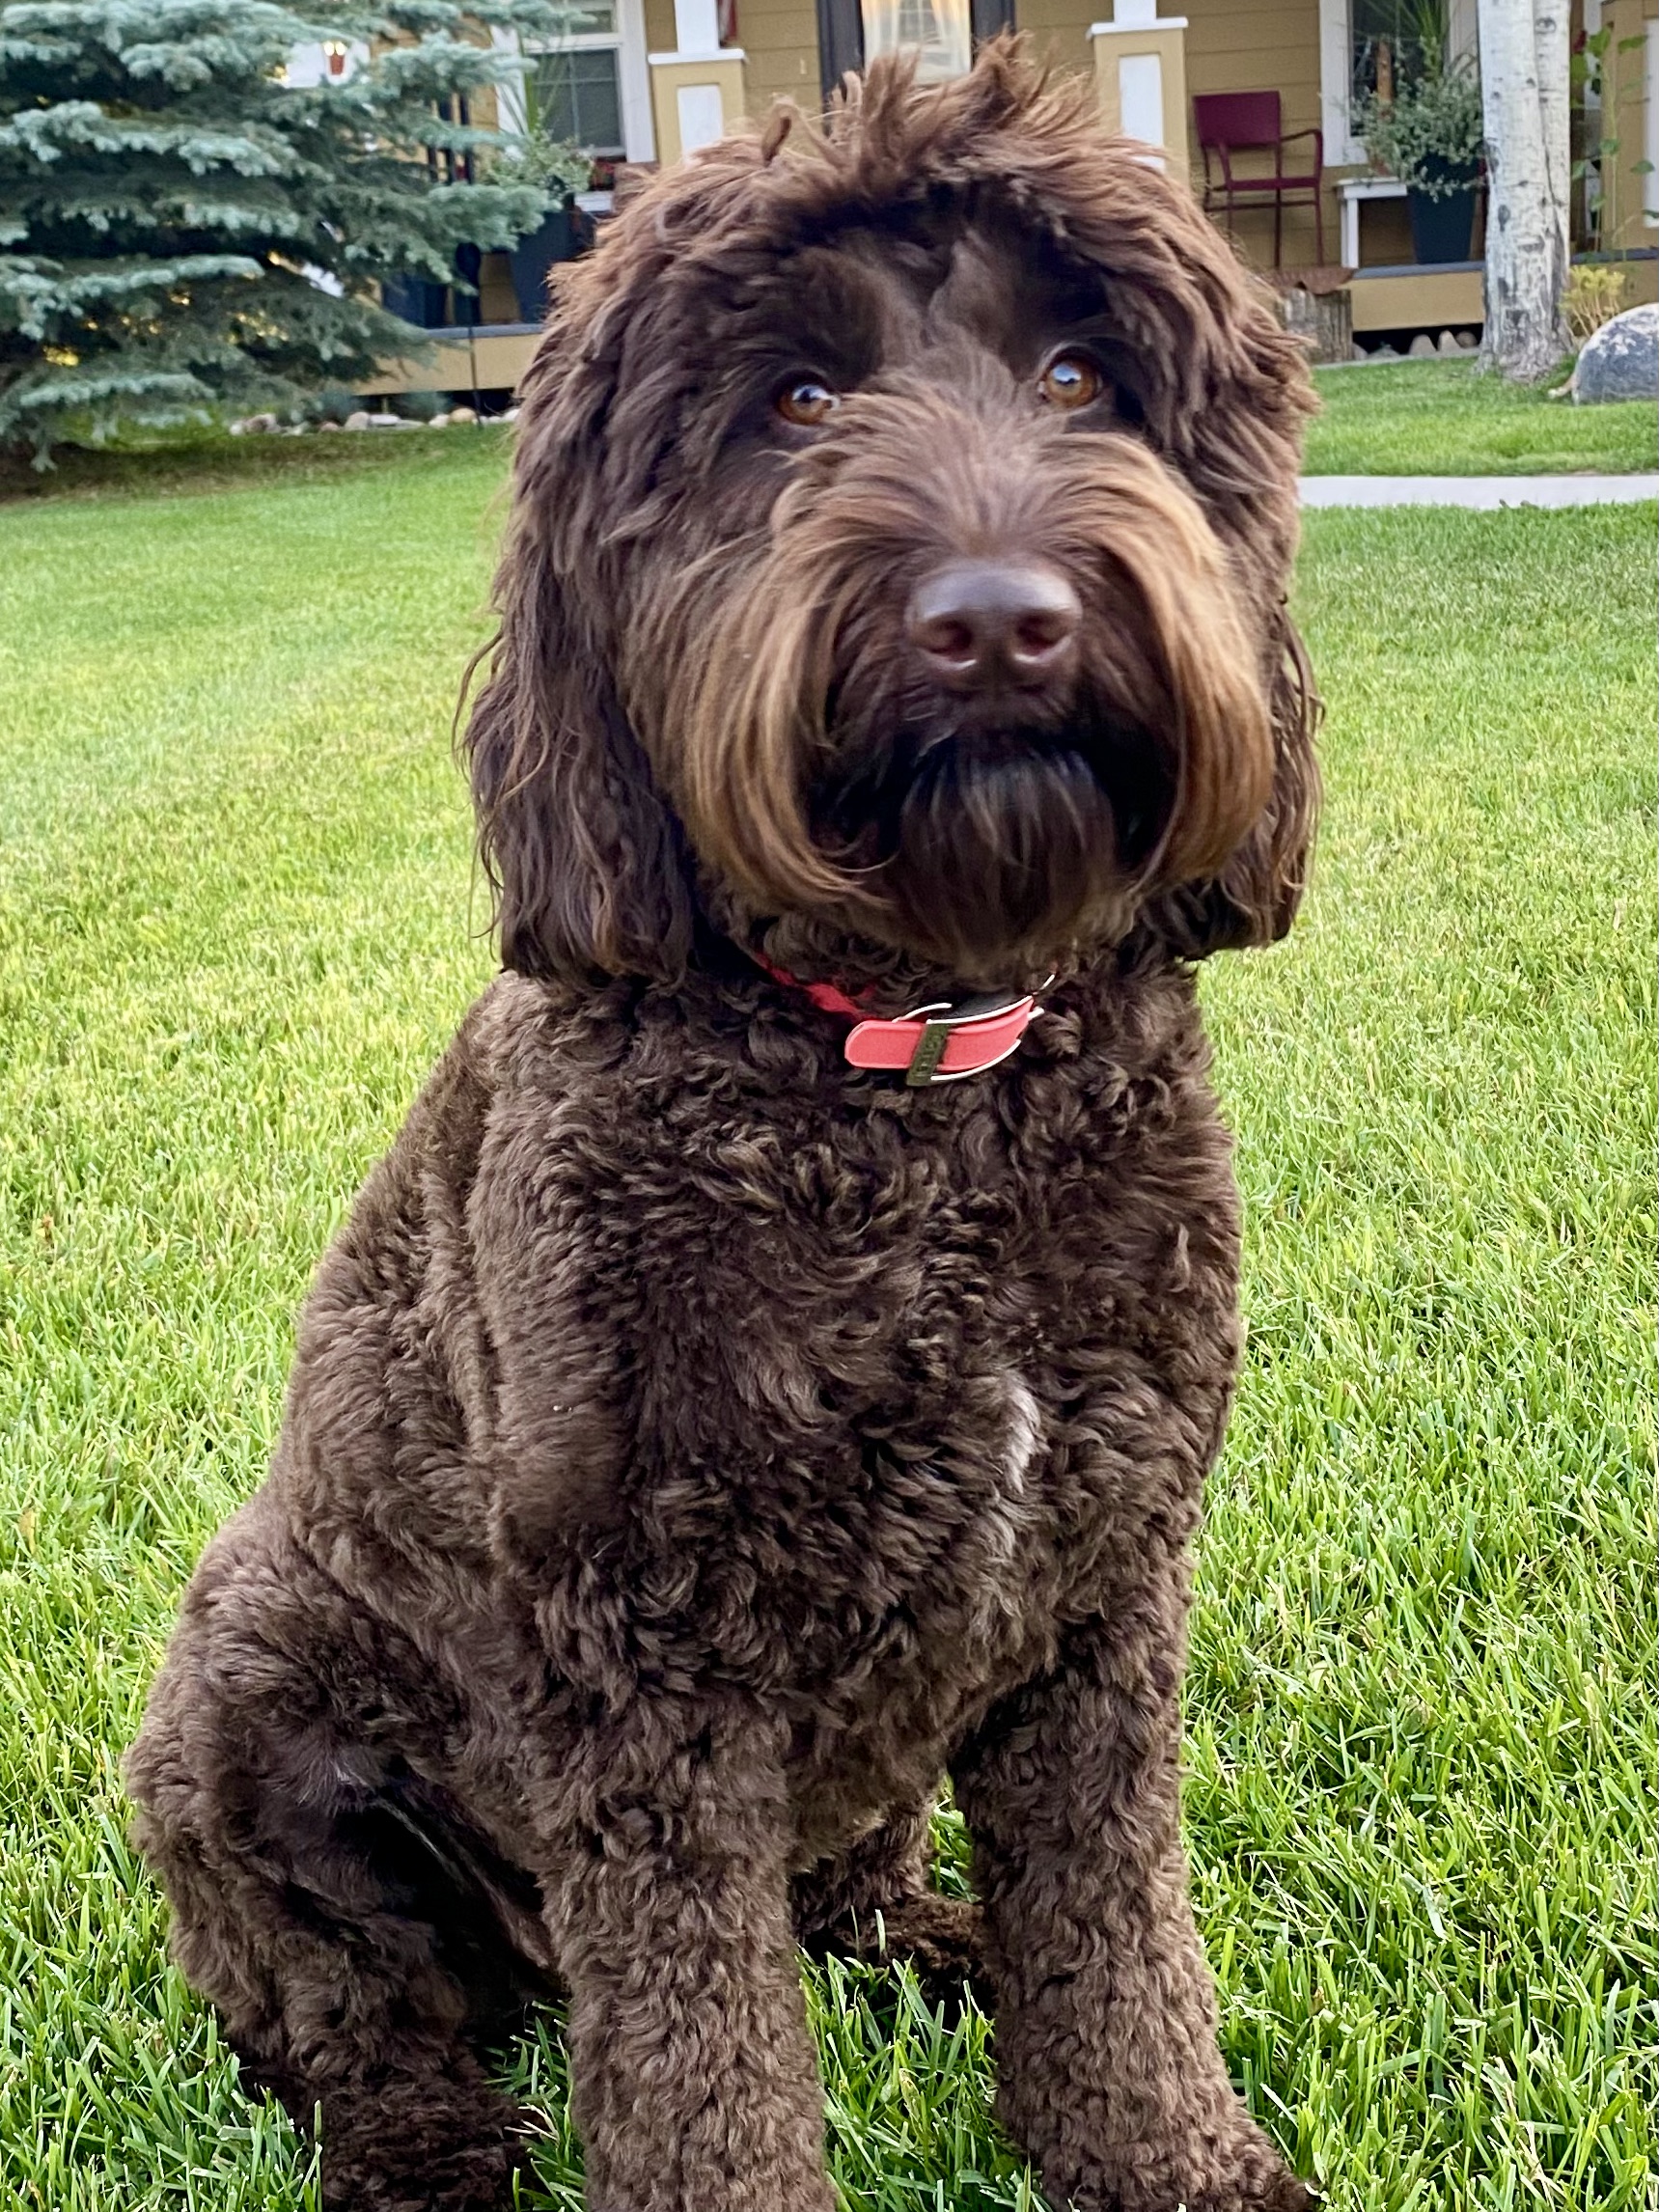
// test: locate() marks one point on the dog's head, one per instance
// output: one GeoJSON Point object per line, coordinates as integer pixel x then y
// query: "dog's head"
{"type": "Point", "coordinates": [902, 522]}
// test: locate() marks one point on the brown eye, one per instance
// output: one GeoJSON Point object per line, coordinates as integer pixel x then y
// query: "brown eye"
{"type": "Point", "coordinates": [806, 403]}
{"type": "Point", "coordinates": [1070, 380]}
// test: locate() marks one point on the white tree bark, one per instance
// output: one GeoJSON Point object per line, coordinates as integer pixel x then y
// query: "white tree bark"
{"type": "Point", "coordinates": [1551, 29]}
{"type": "Point", "coordinates": [1524, 87]}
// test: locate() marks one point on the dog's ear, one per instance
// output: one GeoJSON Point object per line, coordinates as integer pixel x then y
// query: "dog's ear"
{"type": "Point", "coordinates": [586, 859]}
{"type": "Point", "coordinates": [1254, 900]}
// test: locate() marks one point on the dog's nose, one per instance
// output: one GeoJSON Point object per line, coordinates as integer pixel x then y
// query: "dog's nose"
{"type": "Point", "coordinates": [981, 624]}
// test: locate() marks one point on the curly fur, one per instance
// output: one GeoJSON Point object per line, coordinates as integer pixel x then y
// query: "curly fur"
{"type": "Point", "coordinates": [697, 1449]}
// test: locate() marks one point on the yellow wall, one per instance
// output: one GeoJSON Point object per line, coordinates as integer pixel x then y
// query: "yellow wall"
{"type": "Point", "coordinates": [1263, 45]}
{"type": "Point", "coordinates": [1232, 45]}
{"type": "Point", "coordinates": [1060, 30]}
{"type": "Point", "coordinates": [1624, 116]}
{"type": "Point", "coordinates": [781, 39]}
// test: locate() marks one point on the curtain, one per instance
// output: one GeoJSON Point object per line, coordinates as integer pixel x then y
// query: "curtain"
{"type": "Point", "coordinates": [940, 31]}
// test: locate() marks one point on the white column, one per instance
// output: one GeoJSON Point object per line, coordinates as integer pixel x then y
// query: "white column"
{"type": "Point", "coordinates": [697, 90]}
{"type": "Point", "coordinates": [1141, 79]}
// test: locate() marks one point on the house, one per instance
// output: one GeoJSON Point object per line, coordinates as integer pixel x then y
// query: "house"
{"type": "Point", "coordinates": [643, 81]}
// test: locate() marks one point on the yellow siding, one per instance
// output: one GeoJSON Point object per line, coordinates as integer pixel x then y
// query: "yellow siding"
{"type": "Point", "coordinates": [659, 26]}
{"type": "Point", "coordinates": [1264, 45]}
{"type": "Point", "coordinates": [1446, 299]}
{"type": "Point", "coordinates": [1061, 33]}
{"type": "Point", "coordinates": [1625, 112]}
{"type": "Point", "coordinates": [1232, 45]}
{"type": "Point", "coordinates": [781, 39]}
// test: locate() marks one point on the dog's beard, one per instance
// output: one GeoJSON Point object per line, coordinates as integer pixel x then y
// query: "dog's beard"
{"type": "Point", "coordinates": [986, 835]}
{"type": "Point", "coordinates": [1000, 843]}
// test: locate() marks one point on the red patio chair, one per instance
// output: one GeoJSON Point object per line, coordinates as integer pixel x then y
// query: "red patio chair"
{"type": "Point", "coordinates": [1239, 122]}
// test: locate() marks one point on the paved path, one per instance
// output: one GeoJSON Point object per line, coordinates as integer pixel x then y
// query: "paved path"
{"type": "Point", "coordinates": [1488, 491]}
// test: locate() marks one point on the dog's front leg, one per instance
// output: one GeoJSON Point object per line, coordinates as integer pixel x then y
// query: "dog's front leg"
{"type": "Point", "coordinates": [1110, 2074]}
{"type": "Point", "coordinates": [695, 2084]}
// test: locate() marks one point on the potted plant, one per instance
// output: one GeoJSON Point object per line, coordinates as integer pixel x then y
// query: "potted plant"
{"type": "Point", "coordinates": [560, 170]}
{"type": "Point", "coordinates": [1431, 136]}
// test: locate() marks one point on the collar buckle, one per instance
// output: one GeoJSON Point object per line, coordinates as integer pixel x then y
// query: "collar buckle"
{"type": "Point", "coordinates": [1009, 1011]}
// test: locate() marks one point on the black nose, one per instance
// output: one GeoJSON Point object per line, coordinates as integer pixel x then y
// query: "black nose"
{"type": "Point", "coordinates": [979, 625]}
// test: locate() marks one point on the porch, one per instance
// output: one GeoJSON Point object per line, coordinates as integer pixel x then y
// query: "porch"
{"type": "Point", "coordinates": [643, 81]}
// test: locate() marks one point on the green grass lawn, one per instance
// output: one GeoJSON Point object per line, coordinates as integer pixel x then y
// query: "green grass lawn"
{"type": "Point", "coordinates": [1446, 417]}
{"type": "Point", "coordinates": [235, 927]}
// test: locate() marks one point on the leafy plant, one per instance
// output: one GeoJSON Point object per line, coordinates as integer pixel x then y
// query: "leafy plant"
{"type": "Point", "coordinates": [556, 166]}
{"type": "Point", "coordinates": [1594, 294]}
{"type": "Point", "coordinates": [1431, 135]}
{"type": "Point", "coordinates": [331, 404]}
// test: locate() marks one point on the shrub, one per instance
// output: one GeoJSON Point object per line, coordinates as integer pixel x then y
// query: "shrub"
{"type": "Point", "coordinates": [1431, 135]}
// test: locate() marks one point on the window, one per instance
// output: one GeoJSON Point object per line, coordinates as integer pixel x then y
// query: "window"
{"type": "Point", "coordinates": [940, 33]}
{"type": "Point", "coordinates": [576, 84]}
{"type": "Point", "coordinates": [943, 34]}
{"type": "Point", "coordinates": [1390, 44]}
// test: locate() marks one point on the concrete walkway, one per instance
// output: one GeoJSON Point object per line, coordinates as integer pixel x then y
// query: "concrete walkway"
{"type": "Point", "coordinates": [1488, 491]}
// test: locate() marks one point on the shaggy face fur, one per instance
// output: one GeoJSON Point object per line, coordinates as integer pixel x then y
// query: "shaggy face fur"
{"type": "Point", "coordinates": [696, 1449]}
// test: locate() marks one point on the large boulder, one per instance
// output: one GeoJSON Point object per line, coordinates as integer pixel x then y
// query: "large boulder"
{"type": "Point", "coordinates": [1621, 361]}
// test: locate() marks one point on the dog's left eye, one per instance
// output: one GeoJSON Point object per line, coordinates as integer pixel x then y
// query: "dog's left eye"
{"type": "Point", "coordinates": [806, 402]}
{"type": "Point", "coordinates": [1071, 381]}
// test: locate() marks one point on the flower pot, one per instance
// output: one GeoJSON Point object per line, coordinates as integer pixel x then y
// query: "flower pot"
{"type": "Point", "coordinates": [1441, 229]}
{"type": "Point", "coordinates": [556, 240]}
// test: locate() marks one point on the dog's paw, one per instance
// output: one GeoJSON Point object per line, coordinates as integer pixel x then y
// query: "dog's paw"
{"type": "Point", "coordinates": [1246, 2176]}
{"type": "Point", "coordinates": [942, 1939]}
{"type": "Point", "coordinates": [454, 2152]}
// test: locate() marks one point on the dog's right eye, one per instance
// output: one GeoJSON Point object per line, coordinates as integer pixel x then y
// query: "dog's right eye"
{"type": "Point", "coordinates": [806, 403]}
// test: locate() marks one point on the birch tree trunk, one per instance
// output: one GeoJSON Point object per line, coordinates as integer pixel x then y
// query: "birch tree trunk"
{"type": "Point", "coordinates": [1524, 89]}
{"type": "Point", "coordinates": [1551, 28]}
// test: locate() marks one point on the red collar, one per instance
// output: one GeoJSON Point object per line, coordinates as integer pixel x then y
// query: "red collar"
{"type": "Point", "coordinates": [939, 1042]}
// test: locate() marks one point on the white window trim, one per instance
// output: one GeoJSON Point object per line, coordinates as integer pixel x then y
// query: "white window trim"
{"type": "Point", "coordinates": [639, 132]}
{"type": "Point", "coordinates": [628, 42]}
{"type": "Point", "coordinates": [1343, 151]}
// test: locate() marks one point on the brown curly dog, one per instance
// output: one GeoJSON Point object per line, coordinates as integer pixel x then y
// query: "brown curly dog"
{"type": "Point", "coordinates": [715, 1426]}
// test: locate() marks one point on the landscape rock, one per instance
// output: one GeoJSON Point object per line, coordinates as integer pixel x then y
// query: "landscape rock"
{"type": "Point", "coordinates": [438, 423]}
{"type": "Point", "coordinates": [1421, 348]}
{"type": "Point", "coordinates": [1621, 361]}
{"type": "Point", "coordinates": [383, 422]}
{"type": "Point", "coordinates": [254, 426]}
{"type": "Point", "coordinates": [510, 415]}
{"type": "Point", "coordinates": [327, 426]}
{"type": "Point", "coordinates": [1448, 345]}
{"type": "Point", "coordinates": [1467, 342]}
{"type": "Point", "coordinates": [359, 419]}
{"type": "Point", "coordinates": [463, 415]}
{"type": "Point", "coordinates": [1384, 353]}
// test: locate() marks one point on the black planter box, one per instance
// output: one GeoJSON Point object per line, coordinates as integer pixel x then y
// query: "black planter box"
{"type": "Point", "coordinates": [1441, 229]}
{"type": "Point", "coordinates": [562, 234]}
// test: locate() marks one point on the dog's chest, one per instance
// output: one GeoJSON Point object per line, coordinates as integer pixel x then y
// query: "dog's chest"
{"type": "Point", "coordinates": [876, 1373]}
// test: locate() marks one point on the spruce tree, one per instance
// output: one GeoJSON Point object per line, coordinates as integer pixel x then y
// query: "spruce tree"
{"type": "Point", "coordinates": [182, 229]}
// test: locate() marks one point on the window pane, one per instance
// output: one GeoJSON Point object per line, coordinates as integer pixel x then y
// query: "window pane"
{"type": "Point", "coordinates": [1392, 43]}
{"type": "Point", "coordinates": [577, 96]}
{"type": "Point", "coordinates": [938, 30]}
